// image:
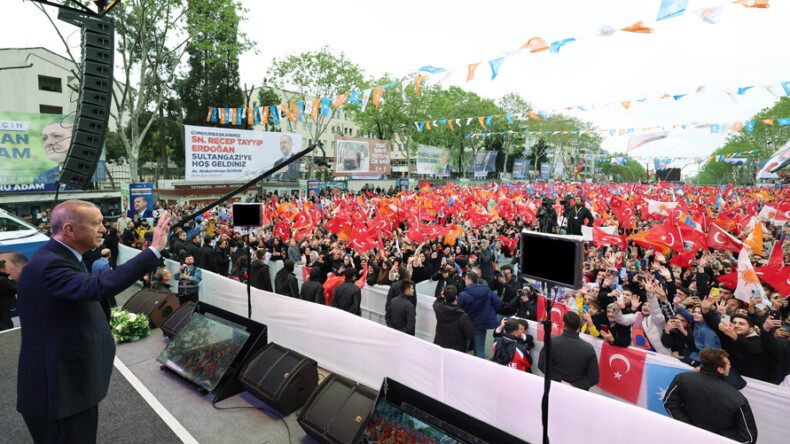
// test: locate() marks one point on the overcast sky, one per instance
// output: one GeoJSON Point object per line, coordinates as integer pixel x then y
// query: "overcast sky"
{"type": "Point", "coordinates": [745, 48]}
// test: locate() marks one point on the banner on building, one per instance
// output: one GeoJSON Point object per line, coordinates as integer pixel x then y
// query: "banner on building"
{"type": "Point", "coordinates": [433, 160]}
{"type": "Point", "coordinates": [32, 146]}
{"type": "Point", "coordinates": [230, 154]}
{"type": "Point", "coordinates": [484, 162]}
{"type": "Point", "coordinates": [361, 157]}
{"type": "Point", "coordinates": [521, 168]}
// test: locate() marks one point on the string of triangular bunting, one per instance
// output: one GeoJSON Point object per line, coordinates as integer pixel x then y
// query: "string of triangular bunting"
{"type": "Point", "coordinates": [622, 160]}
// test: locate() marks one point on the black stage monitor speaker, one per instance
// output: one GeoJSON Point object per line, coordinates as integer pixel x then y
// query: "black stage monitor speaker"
{"type": "Point", "coordinates": [157, 305]}
{"type": "Point", "coordinates": [173, 324]}
{"type": "Point", "coordinates": [280, 377]}
{"type": "Point", "coordinates": [93, 102]}
{"type": "Point", "coordinates": [551, 258]}
{"type": "Point", "coordinates": [336, 413]}
{"type": "Point", "coordinates": [247, 214]}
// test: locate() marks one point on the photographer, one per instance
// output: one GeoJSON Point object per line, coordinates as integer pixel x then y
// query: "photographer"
{"type": "Point", "coordinates": [547, 216]}
{"type": "Point", "coordinates": [189, 277]}
{"type": "Point", "coordinates": [576, 216]}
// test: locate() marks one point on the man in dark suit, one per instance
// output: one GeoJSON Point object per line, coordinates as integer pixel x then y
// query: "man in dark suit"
{"type": "Point", "coordinates": [67, 350]}
{"type": "Point", "coordinates": [292, 170]}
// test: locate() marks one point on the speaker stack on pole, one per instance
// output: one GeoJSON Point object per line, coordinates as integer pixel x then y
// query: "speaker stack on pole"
{"type": "Point", "coordinates": [94, 99]}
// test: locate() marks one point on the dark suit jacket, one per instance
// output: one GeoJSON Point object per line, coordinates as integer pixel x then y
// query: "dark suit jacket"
{"type": "Point", "coordinates": [293, 169]}
{"type": "Point", "coordinates": [67, 349]}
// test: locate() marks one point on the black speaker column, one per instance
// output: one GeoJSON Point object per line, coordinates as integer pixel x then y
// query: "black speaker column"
{"type": "Point", "coordinates": [93, 102]}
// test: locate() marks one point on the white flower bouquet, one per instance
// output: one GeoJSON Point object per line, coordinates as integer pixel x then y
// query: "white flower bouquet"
{"type": "Point", "coordinates": [128, 327]}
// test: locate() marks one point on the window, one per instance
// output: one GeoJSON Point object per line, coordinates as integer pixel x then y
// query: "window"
{"type": "Point", "coordinates": [48, 109]}
{"type": "Point", "coordinates": [46, 83]}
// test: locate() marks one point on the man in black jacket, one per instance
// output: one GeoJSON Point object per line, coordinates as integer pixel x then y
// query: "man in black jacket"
{"type": "Point", "coordinates": [454, 329]}
{"type": "Point", "coordinates": [285, 281]}
{"type": "Point", "coordinates": [260, 277]}
{"type": "Point", "coordinates": [347, 295]}
{"type": "Point", "coordinates": [444, 277]}
{"type": "Point", "coordinates": [749, 357]}
{"type": "Point", "coordinates": [704, 400]}
{"type": "Point", "coordinates": [205, 256]}
{"type": "Point", "coordinates": [578, 215]}
{"type": "Point", "coordinates": [401, 314]}
{"type": "Point", "coordinates": [312, 290]}
{"type": "Point", "coordinates": [573, 360]}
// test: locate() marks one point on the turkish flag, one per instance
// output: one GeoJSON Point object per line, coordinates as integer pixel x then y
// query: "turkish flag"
{"type": "Point", "coordinates": [719, 239]}
{"type": "Point", "coordinates": [683, 260]}
{"type": "Point", "coordinates": [777, 276]}
{"type": "Point", "coordinates": [601, 238]}
{"type": "Point", "coordinates": [557, 312]}
{"type": "Point", "coordinates": [690, 234]}
{"type": "Point", "coordinates": [777, 255]}
{"type": "Point", "coordinates": [782, 211]}
{"type": "Point", "coordinates": [729, 279]}
{"type": "Point", "coordinates": [668, 235]}
{"type": "Point", "coordinates": [329, 286]}
{"type": "Point", "coordinates": [509, 243]}
{"type": "Point", "coordinates": [283, 230]}
{"type": "Point", "coordinates": [306, 273]}
{"type": "Point", "coordinates": [621, 371]}
{"type": "Point", "coordinates": [360, 242]}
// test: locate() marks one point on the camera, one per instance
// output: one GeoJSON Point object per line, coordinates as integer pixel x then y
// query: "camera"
{"type": "Point", "coordinates": [566, 202]}
{"type": "Point", "coordinates": [547, 201]}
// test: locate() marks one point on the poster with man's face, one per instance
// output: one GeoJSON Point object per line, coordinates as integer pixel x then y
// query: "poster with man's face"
{"type": "Point", "coordinates": [31, 148]}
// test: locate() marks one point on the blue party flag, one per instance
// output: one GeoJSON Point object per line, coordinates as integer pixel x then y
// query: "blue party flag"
{"type": "Point", "coordinates": [783, 122]}
{"type": "Point", "coordinates": [749, 126]}
{"type": "Point", "coordinates": [495, 64]}
{"type": "Point", "coordinates": [275, 114]}
{"type": "Point", "coordinates": [743, 89]}
{"type": "Point", "coordinates": [300, 107]}
{"type": "Point", "coordinates": [786, 86]}
{"type": "Point", "coordinates": [489, 119]}
{"type": "Point", "coordinates": [659, 378]}
{"type": "Point", "coordinates": [325, 106]}
{"type": "Point", "coordinates": [671, 8]}
{"type": "Point", "coordinates": [555, 46]}
{"type": "Point", "coordinates": [354, 98]}
{"type": "Point", "coordinates": [432, 69]}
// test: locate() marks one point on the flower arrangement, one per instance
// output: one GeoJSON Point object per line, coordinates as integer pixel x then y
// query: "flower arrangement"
{"type": "Point", "coordinates": [128, 327]}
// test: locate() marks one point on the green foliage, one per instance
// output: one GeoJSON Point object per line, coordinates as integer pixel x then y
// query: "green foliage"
{"type": "Point", "coordinates": [213, 48]}
{"type": "Point", "coordinates": [267, 97]}
{"type": "Point", "coordinates": [128, 327]}
{"type": "Point", "coordinates": [765, 138]}
{"type": "Point", "coordinates": [631, 172]}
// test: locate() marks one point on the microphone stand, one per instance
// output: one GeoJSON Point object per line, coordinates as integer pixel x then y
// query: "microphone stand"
{"type": "Point", "coordinates": [547, 328]}
{"type": "Point", "coordinates": [264, 175]}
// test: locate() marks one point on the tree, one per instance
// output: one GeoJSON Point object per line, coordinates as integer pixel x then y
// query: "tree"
{"type": "Point", "coordinates": [765, 138]}
{"type": "Point", "coordinates": [318, 74]}
{"type": "Point", "coordinates": [267, 97]}
{"type": "Point", "coordinates": [151, 39]}
{"type": "Point", "coordinates": [632, 171]}
{"type": "Point", "coordinates": [213, 76]}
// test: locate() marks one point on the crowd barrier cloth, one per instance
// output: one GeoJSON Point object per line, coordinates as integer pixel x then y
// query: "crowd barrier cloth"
{"type": "Point", "coordinates": [368, 351]}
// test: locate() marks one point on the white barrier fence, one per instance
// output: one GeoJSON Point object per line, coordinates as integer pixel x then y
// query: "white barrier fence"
{"type": "Point", "coordinates": [368, 351]}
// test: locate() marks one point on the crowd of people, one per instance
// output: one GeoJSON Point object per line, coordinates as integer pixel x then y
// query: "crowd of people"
{"type": "Point", "coordinates": [638, 291]}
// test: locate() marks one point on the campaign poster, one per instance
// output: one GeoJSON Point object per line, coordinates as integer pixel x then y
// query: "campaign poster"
{"type": "Point", "coordinates": [484, 162]}
{"type": "Point", "coordinates": [775, 163]}
{"type": "Point", "coordinates": [662, 163]}
{"type": "Point", "coordinates": [313, 188]}
{"type": "Point", "coordinates": [361, 157]}
{"type": "Point", "coordinates": [433, 160]}
{"type": "Point", "coordinates": [226, 154]}
{"type": "Point", "coordinates": [126, 204]}
{"type": "Point", "coordinates": [32, 148]}
{"type": "Point", "coordinates": [545, 170]}
{"type": "Point", "coordinates": [403, 185]}
{"type": "Point", "coordinates": [141, 196]}
{"type": "Point", "coordinates": [521, 168]}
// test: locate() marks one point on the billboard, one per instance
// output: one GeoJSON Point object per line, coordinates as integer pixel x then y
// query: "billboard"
{"type": "Point", "coordinates": [32, 146]}
{"type": "Point", "coordinates": [141, 196]}
{"type": "Point", "coordinates": [433, 160]}
{"type": "Point", "coordinates": [225, 154]}
{"type": "Point", "coordinates": [361, 157]}
{"type": "Point", "coordinates": [521, 168]}
{"type": "Point", "coordinates": [484, 161]}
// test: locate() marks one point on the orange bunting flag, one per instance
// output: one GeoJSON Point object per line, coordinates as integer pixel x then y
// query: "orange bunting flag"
{"type": "Point", "coordinates": [754, 3]}
{"type": "Point", "coordinates": [626, 104]}
{"type": "Point", "coordinates": [450, 122]}
{"type": "Point", "coordinates": [639, 28]}
{"type": "Point", "coordinates": [287, 112]}
{"type": "Point", "coordinates": [377, 93]}
{"type": "Point", "coordinates": [768, 121]}
{"type": "Point", "coordinates": [417, 82]}
{"type": "Point", "coordinates": [737, 126]}
{"type": "Point", "coordinates": [340, 100]}
{"type": "Point", "coordinates": [428, 124]}
{"type": "Point", "coordinates": [536, 44]}
{"type": "Point", "coordinates": [533, 115]}
{"type": "Point", "coordinates": [222, 115]}
{"type": "Point", "coordinates": [472, 67]}
{"type": "Point", "coordinates": [210, 112]}
{"type": "Point", "coordinates": [295, 111]}
{"type": "Point", "coordinates": [480, 119]}
{"type": "Point", "coordinates": [316, 106]}
{"type": "Point", "coordinates": [250, 117]}
{"type": "Point", "coordinates": [755, 239]}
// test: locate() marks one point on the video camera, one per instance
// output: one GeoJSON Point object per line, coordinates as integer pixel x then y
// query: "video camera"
{"type": "Point", "coordinates": [566, 202]}
{"type": "Point", "coordinates": [548, 201]}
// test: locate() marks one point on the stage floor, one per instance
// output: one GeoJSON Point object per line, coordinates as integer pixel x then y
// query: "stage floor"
{"type": "Point", "coordinates": [146, 405]}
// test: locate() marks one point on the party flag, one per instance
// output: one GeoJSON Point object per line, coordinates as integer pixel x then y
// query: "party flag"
{"type": "Point", "coordinates": [250, 116]}
{"type": "Point", "coordinates": [786, 87]}
{"type": "Point", "coordinates": [754, 3]}
{"type": "Point", "coordinates": [626, 104]}
{"type": "Point", "coordinates": [783, 122]}
{"type": "Point", "coordinates": [535, 44]}
{"type": "Point", "coordinates": [710, 15]}
{"type": "Point", "coordinates": [748, 281]}
{"type": "Point", "coordinates": [659, 378]}
{"type": "Point", "coordinates": [471, 67]}
{"type": "Point", "coordinates": [275, 114]}
{"type": "Point", "coordinates": [768, 121]}
{"type": "Point", "coordinates": [638, 27]}
{"type": "Point", "coordinates": [495, 65]}
{"type": "Point", "coordinates": [417, 83]}
{"type": "Point", "coordinates": [366, 98]}
{"type": "Point", "coordinates": [671, 8]}
{"type": "Point", "coordinates": [606, 31]}
{"type": "Point", "coordinates": [314, 108]}
{"type": "Point", "coordinates": [287, 112]}
{"type": "Point", "coordinates": [354, 98]}
{"type": "Point", "coordinates": [555, 46]}
{"type": "Point", "coordinates": [432, 69]}
{"type": "Point", "coordinates": [214, 115]}
{"type": "Point", "coordinates": [755, 239]}
{"type": "Point", "coordinates": [481, 121]}
{"type": "Point", "coordinates": [749, 125]}
{"type": "Point", "coordinates": [210, 113]}
{"type": "Point", "coordinates": [325, 106]}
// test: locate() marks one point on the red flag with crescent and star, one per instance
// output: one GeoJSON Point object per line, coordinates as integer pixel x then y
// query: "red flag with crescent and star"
{"type": "Point", "coordinates": [620, 371]}
{"type": "Point", "coordinates": [601, 238]}
{"type": "Point", "coordinates": [557, 312]}
{"type": "Point", "coordinates": [666, 234]}
{"type": "Point", "coordinates": [719, 239]}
